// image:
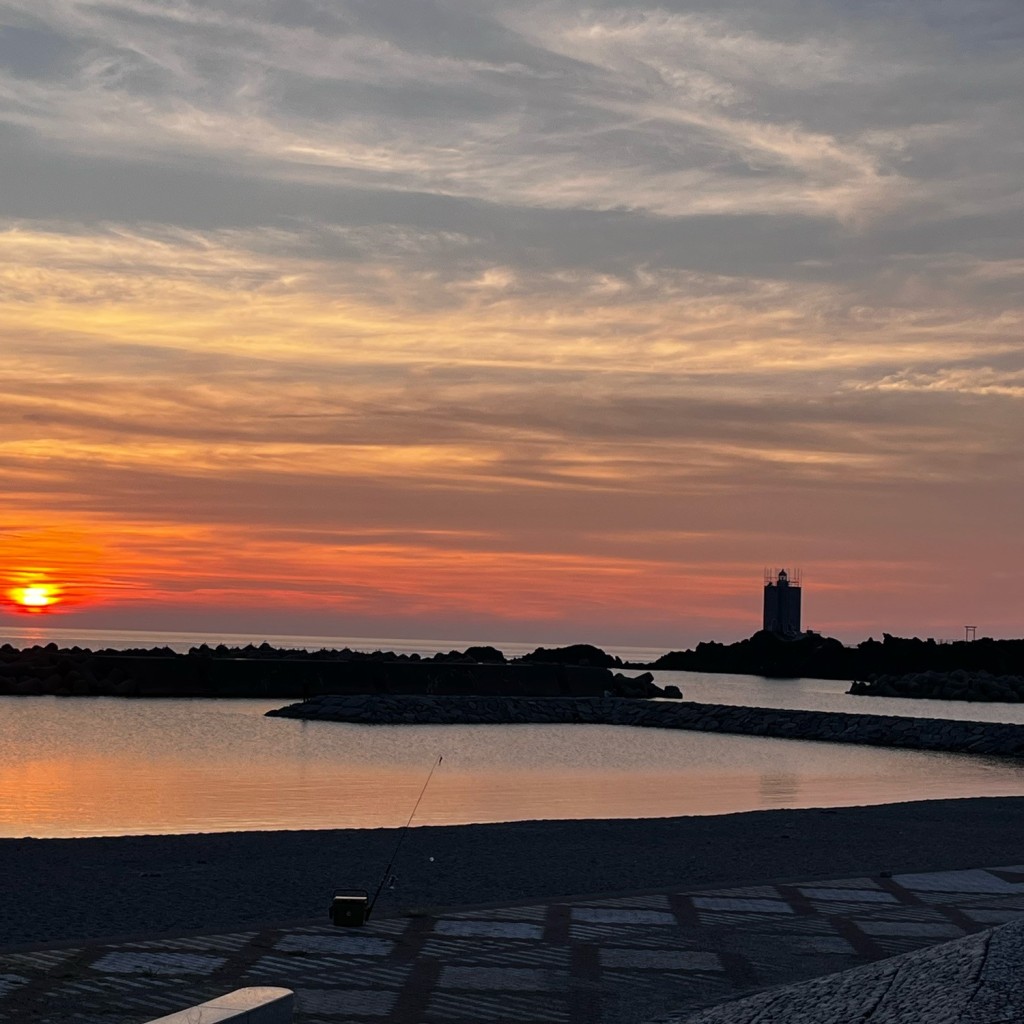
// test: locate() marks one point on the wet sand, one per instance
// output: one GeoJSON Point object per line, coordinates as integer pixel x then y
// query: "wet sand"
{"type": "Point", "coordinates": [68, 891]}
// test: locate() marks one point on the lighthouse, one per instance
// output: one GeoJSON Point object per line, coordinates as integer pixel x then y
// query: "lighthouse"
{"type": "Point", "coordinates": [782, 602]}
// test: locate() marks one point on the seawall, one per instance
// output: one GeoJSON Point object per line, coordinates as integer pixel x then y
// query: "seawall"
{"type": "Point", "coordinates": [828, 726]}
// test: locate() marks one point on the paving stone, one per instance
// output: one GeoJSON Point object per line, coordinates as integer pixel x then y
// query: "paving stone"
{"type": "Point", "coordinates": [990, 917]}
{"type": "Point", "coordinates": [631, 902]}
{"type": "Point", "coordinates": [849, 895]}
{"type": "Point", "coordinates": [384, 927]}
{"type": "Point", "coordinates": [497, 954]}
{"type": "Point", "coordinates": [504, 914]}
{"type": "Point", "coordinates": [203, 944]}
{"type": "Point", "coordinates": [661, 959]}
{"type": "Point", "coordinates": [157, 963]}
{"type": "Point", "coordinates": [972, 881]}
{"type": "Point", "coordinates": [824, 944]}
{"type": "Point", "coordinates": [611, 915]}
{"type": "Point", "coordinates": [910, 928]}
{"type": "Point", "coordinates": [848, 883]}
{"type": "Point", "coordinates": [948, 899]}
{"type": "Point", "coordinates": [343, 944]}
{"type": "Point", "coordinates": [880, 912]}
{"type": "Point", "coordinates": [762, 891]}
{"type": "Point", "coordinates": [42, 960]}
{"type": "Point", "coordinates": [625, 935]}
{"type": "Point", "coordinates": [291, 971]}
{"type": "Point", "coordinates": [743, 906]}
{"type": "Point", "coordinates": [504, 1006]}
{"type": "Point", "coordinates": [344, 1002]}
{"type": "Point", "coordinates": [511, 979]}
{"type": "Point", "coordinates": [489, 929]}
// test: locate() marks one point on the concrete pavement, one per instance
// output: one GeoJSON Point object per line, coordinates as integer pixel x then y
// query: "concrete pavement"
{"type": "Point", "coordinates": [614, 960]}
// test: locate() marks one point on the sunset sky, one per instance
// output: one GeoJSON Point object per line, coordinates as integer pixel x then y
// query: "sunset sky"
{"type": "Point", "coordinates": [506, 319]}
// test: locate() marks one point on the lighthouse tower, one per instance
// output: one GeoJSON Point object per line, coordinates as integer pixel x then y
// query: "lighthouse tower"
{"type": "Point", "coordinates": [782, 602]}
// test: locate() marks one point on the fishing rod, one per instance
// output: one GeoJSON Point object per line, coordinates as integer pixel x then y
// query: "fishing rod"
{"type": "Point", "coordinates": [349, 907]}
{"type": "Point", "coordinates": [401, 837]}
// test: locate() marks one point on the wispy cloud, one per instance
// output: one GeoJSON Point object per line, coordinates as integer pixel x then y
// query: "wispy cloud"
{"type": "Point", "coordinates": [974, 380]}
{"type": "Point", "coordinates": [473, 303]}
{"type": "Point", "coordinates": [540, 104]}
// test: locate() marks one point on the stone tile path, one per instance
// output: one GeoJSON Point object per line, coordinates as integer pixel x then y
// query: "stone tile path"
{"type": "Point", "coordinates": [621, 960]}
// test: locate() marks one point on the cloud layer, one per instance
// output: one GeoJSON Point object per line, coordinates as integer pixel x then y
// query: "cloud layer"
{"type": "Point", "coordinates": [528, 318]}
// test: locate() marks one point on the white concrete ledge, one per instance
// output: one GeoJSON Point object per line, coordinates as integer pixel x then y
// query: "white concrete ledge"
{"type": "Point", "coordinates": [263, 1005]}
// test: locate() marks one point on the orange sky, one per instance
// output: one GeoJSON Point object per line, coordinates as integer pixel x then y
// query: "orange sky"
{"type": "Point", "coordinates": [513, 321]}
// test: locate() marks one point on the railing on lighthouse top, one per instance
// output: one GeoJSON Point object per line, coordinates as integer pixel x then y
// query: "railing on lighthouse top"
{"type": "Point", "coordinates": [782, 577]}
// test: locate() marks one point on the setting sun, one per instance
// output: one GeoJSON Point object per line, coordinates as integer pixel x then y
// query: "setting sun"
{"type": "Point", "coordinates": [34, 598]}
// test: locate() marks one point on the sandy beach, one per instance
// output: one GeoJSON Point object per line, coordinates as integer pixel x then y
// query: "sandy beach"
{"type": "Point", "coordinates": [59, 891]}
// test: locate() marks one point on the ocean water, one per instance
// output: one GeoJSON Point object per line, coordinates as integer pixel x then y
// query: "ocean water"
{"type": "Point", "coordinates": [104, 766]}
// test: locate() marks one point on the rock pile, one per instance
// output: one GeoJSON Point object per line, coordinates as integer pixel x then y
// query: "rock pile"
{"type": "Point", "coordinates": [70, 672]}
{"type": "Point", "coordinates": [957, 685]}
{"type": "Point", "coordinates": [829, 726]}
{"type": "Point", "coordinates": [267, 672]}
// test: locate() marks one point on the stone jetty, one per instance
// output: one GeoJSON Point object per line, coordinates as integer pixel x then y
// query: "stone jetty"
{"type": "Point", "coordinates": [827, 726]}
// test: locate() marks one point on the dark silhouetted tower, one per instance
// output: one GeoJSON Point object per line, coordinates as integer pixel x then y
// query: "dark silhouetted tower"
{"type": "Point", "coordinates": [782, 602]}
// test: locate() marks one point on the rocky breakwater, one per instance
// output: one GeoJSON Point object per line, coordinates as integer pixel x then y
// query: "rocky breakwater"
{"type": "Point", "coordinates": [268, 672]}
{"type": "Point", "coordinates": [957, 685]}
{"type": "Point", "coordinates": [827, 726]}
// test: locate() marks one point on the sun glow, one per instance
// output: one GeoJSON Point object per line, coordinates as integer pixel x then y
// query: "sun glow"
{"type": "Point", "coordinates": [36, 597]}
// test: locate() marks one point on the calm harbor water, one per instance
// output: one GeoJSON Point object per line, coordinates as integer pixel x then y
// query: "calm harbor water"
{"type": "Point", "coordinates": [102, 766]}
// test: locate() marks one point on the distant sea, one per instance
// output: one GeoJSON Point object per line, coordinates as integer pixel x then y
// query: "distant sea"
{"type": "Point", "coordinates": [123, 639]}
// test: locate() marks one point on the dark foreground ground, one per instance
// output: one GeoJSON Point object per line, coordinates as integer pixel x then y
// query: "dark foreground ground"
{"type": "Point", "coordinates": [68, 890]}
